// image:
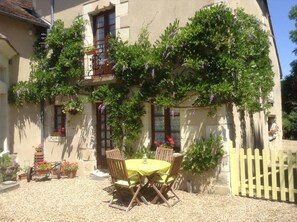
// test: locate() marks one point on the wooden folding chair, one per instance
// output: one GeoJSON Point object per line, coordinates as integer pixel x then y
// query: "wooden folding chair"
{"type": "Point", "coordinates": [120, 179]}
{"type": "Point", "coordinates": [164, 154]}
{"type": "Point", "coordinates": [114, 153]}
{"type": "Point", "coordinates": [166, 180]}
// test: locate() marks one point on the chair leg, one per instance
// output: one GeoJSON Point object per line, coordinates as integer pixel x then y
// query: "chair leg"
{"type": "Point", "coordinates": [159, 194]}
{"type": "Point", "coordinates": [134, 197]}
{"type": "Point", "coordinates": [178, 200]}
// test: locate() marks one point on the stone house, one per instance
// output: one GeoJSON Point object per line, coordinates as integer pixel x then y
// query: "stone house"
{"type": "Point", "coordinates": [87, 135]}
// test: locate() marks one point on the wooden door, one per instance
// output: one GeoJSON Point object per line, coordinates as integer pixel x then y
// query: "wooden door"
{"type": "Point", "coordinates": [103, 136]}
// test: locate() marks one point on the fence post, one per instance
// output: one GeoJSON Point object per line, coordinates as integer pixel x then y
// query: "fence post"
{"type": "Point", "coordinates": [250, 172]}
{"type": "Point", "coordinates": [265, 173]}
{"type": "Point", "coordinates": [282, 175]}
{"type": "Point", "coordinates": [290, 175]}
{"type": "Point", "coordinates": [233, 169]}
{"type": "Point", "coordinates": [273, 175]}
{"type": "Point", "coordinates": [257, 169]}
{"type": "Point", "coordinates": [242, 171]}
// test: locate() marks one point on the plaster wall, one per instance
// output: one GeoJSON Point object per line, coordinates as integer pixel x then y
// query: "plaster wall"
{"type": "Point", "coordinates": [18, 34]}
{"type": "Point", "coordinates": [64, 10]}
{"type": "Point", "coordinates": [23, 128]}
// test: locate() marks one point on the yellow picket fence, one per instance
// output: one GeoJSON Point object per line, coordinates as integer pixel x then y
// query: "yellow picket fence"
{"type": "Point", "coordinates": [264, 174]}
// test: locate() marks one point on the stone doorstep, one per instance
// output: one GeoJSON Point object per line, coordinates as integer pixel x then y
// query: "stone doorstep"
{"type": "Point", "coordinates": [7, 187]}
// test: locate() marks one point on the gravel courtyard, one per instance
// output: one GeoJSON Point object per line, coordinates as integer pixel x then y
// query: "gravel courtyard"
{"type": "Point", "coordinates": [86, 199]}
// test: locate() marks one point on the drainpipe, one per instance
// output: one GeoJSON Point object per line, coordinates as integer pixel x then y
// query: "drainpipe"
{"type": "Point", "coordinates": [42, 111]}
{"type": "Point", "coordinates": [52, 12]}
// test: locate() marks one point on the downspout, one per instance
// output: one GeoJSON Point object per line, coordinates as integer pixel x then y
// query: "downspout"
{"type": "Point", "coordinates": [52, 12]}
{"type": "Point", "coordinates": [42, 106]}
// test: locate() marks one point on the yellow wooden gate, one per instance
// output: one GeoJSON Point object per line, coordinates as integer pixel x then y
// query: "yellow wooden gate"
{"type": "Point", "coordinates": [264, 174]}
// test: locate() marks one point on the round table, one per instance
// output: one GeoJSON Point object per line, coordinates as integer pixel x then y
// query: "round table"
{"type": "Point", "coordinates": [146, 169]}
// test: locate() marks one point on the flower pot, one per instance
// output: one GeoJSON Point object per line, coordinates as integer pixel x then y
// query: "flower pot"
{"type": "Point", "coordinates": [57, 133]}
{"type": "Point", "coordinates": [70, 174]}
{"type": "Point", "coordinates": [42, 172]}
{"type": "Point", "coordinates": [38, 157]}
{"type": "Point", "coordinates": [73, 111]}
{"type": "Point", "coordinates": [23, 176]}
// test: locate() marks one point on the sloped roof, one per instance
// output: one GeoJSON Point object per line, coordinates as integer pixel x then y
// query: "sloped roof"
{"type": "Point", "coordinates": [21, 9]}
{"type": "Point", "coordinates": [6, 47]}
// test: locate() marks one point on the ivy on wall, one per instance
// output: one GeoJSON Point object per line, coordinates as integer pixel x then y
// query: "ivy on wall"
{"type": "Point", "coordinates": [220, 56]}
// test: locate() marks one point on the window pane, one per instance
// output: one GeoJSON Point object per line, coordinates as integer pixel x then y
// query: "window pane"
{"type": "Point", "coordinates": [111, 18]}
{"type": "Point", "coordinates": [160, 137]}
{"type": "Point", "coordinates": [112, 30]}
{"type": "Point", "coordinates": [159, 123]}
{"type": "Point", "coordinates": [102, 135]}
{"type": "Point", "coordinates": [174, 123]}
{"type": "Point", "coordinates": [174, 112]}
{"type": "Point", "coordinates": [103, 144]}
{"type": "Point", "coordinates": [100, 21]}
{"type": "Point", "coordinates": [100, 33]}
{"type": "Point", "coordinates": [159, 110]}
{"type": "Point", "coordinates": [108, 143]}
{"type": "Point", "coordinates": [59, 119]}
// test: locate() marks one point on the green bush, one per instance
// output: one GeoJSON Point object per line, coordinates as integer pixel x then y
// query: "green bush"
{"type": "Point", "coordinates": [8, 168]}
{"type": "Point", "coordinates": [290, 124]}
{"type": "Point", "coordinates": [203, 155]}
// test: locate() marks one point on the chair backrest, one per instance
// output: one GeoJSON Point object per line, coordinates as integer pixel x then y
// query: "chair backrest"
{"type": "Point", "coordinates": [114, 153]}
{"type": "Point", "coordinates": [117, 169]}
{"type": "Point", "coordinates": [164, 154]}
{"type": "Point", "coordinates": [175, 165]}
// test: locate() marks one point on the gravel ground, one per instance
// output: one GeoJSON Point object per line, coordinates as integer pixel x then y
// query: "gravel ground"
{"type": "Point", "coordinates": [85, 199]}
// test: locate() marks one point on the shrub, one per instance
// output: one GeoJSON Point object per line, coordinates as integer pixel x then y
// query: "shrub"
{"type": "Point", "coordinates": [8, 168]}
{"type": "Point", "coordinates": [203, 155]}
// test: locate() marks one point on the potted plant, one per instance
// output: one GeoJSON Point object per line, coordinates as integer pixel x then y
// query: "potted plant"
{"type": "Point", "coordinates": [38, 148]}
{"type": "Point", "coordinates": [69, 169]}
{"type": "Point", "coordinates": [59, 133]}
{"type": "Point", "coordinates": [43, 167]}
{"type": "Point", "coordinates": [24, 172]}
{"type": "Point", "coordinates": [38, 155]}
{"type": "Point", "coordinates": [167, 144]}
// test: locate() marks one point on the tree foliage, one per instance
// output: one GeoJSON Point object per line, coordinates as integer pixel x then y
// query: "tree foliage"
{"type": "Point", "coordinates": [289, 89]}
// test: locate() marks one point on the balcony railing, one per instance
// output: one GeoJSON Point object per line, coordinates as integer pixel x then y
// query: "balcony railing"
{"type": "Point", "coordinates": [97, 65]}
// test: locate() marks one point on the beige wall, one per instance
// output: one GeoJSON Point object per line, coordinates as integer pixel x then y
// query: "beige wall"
{"type": "Point", "coordinates": [157, 14]}
{"type": "Point", "coordinates": [64, 10]}
{"type": "Point", "coordinates": [18, 34]}
{"type": "Point", "coordinates": [24, 126]}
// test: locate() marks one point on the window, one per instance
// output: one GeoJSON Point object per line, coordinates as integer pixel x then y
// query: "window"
{"type": "Point", "coordinates": [104, 26]}
{"type": "Point", "coordinates": [165, 122]}
{"type": "Point", "coordinates": [59, 121]}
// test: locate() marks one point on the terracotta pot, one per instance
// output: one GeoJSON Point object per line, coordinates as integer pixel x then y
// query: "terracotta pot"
{"type": "Point", "coordinates": [42, 172]}
{"type": "Point", "coordinates": [23, 176]}
{"type": "Point", "coordinates": [73, 111]}
{"type": "Point", "coordinates": [38, 157]}
{"type": "Point", "coordinates": [70, 174]}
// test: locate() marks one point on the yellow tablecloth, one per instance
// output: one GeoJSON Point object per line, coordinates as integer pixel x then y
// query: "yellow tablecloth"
{"type": "Point", "coordinates": [146, 169]}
